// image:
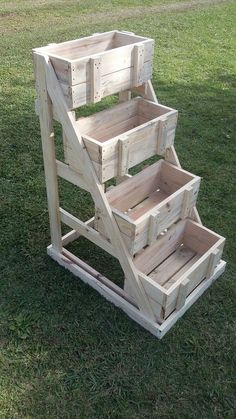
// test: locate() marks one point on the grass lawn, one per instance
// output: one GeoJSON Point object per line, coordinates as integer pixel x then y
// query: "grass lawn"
{"type": "Point", "coordinates": [64, 351]}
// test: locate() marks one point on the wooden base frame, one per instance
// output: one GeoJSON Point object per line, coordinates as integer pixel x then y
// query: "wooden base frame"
{"type": "Point", "coordinates": [120, 299]}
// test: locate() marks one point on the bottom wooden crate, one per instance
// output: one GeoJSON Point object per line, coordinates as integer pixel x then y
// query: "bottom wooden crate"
{"type": "Point", "coordinates": [119, 298]}
{"type": "Point", "coordinates": [176, 263]}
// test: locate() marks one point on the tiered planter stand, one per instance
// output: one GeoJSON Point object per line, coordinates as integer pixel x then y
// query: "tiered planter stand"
{"type": "Point", "coordinates": [149, 222]}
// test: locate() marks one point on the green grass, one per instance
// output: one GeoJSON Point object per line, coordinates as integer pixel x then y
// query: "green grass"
{"type": "Point", "coordinates": [64, 351]}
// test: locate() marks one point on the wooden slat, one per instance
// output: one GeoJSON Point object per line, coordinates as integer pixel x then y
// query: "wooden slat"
{"type": "Point", "coordinates": [163, 272]}
{"type": "Point", "coordinates": [153, 227]}
{"type": "Point", "coordinates": [72, 176]}
{"type": "Point", "coordinates": [187, 200]}
{"type": "Point", "coordinates": [153, 255]}
{"type": "Point", "coordinates": [162, 136]}
{"type": "Point", "coordinates": [86, 231]}
{"type": "Point", "coordinates": [74, 234]}
{"type": "Point", "coordinates": [138, 64]}
{"type": "Point", "coordinates": [123, 156]}
{"type": "Point", "coordinates": [213, 260]}
{"type": "Point", "coordinates": [95, 79]}
{"type": "Point", "coordinates": [181, 272]}
{"type": "Point", "coordinates": [80, 94]}
{"type": "Point", "coordinates": [49, 155]}
{"type": "Point", "coordinates": [144, 208]}
{"type": "Point", "coordinates": [182, 295]}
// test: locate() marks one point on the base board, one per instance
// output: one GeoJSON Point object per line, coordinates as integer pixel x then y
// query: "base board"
{"type": "Point", "coordinates": [104, 287]}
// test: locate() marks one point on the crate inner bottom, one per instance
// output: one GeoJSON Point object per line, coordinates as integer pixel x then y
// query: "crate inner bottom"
{"type": "Point", "coordinates": [174, 266]}
{"type": "Point", "coordinates": [117, 129]}
{"type": "Point", "coordinates": [120, 119]}
{"type": "Point", "coordinates": [147, 204]}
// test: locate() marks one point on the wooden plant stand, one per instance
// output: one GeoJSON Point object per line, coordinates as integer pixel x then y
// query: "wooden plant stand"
{"type": "Point", "coordinates": [149, 222]}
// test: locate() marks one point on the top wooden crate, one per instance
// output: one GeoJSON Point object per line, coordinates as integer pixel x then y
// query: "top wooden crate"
{"type": "Point", "coordinates": [100, 65]}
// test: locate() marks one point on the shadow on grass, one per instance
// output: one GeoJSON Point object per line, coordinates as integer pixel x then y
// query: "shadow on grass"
{"type": "Point", "coordinates": [74, 354]}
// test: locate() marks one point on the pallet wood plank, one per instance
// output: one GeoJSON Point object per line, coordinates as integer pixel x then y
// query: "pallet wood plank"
{"type": "Point", "coordinates": [163, 272]}
{"type": "Point", "coordinates": [86, 231]}
{"type": "Point", "coordinates": [49, 155]}
{"type": "Point", "coordinates": [95, 79]}
{"type": "Point", "coordinates": [72, 176]}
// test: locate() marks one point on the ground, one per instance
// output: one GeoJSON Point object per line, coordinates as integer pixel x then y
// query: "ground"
{"type": "Point", "coordinates": [64, 351]}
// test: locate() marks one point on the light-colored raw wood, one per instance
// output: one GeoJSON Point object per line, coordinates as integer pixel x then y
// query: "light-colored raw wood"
{"type": "Point", "coordinates": [86, 231]}
{"type": "Point", "coordinates": [125, 96]}
{"type": "Point", "coordinates": [214, 257]}
{"type": "Point", "coordinates": [123, 157]}
{"type": "Point", "coordinates": [174, 261]}
{"type": "Point", "coordinates": [171, 265]}
{"type": "Point", "coordinates": [72, 176]}
{"type": "Point", "coordinates": [146, 91]}
{"type": "Point", "coordinates": [138, 64]}
{"type": "Point", "coordinates": [186, 206]}
{"type": "Point", "coordinates": [95, 79]}
{"type": "Point", "coordinates": [153, 227]}
{"type": "Point", "coordinates": [49, 156]}
{"type": "Point", "coordinates": [172, 157]}
{"type": "Point", "coordinates": [183, 292]}
{"type": "Point", "coordinates": [153, 255]}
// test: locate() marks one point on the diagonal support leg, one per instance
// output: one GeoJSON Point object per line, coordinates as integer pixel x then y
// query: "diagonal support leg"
{"type": "Point", "coordinates": [68, 122]}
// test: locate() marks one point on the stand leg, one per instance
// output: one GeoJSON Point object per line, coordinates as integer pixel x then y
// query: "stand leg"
{"type": "Point", "coordinates": [49, 157]}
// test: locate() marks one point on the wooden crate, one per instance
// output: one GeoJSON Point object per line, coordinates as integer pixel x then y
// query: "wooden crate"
{"type": "Point", "coordinates": [150, 202]}
{"type": "Point", "coordinates": [176, 264]}
{"type": "Point", "coordinates": [100, 65]}
{"type": "Point", "coordinates": [124, 135]}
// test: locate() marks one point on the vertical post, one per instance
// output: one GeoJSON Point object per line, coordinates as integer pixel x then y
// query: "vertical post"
{"type": "Point", "coordinates": [213, 260]}
{"type": "Point", "coordinates": [125, 96]}
{"type": "Point", "coordinates": [182, 295]}
{"type": "Point", "coordinates": [162, 136]}
{"type": "Point", "coordinates": [48, 146]}
{"type": "Point", "coordinates": [123, 156]}
{"type": "Point", "coordinates": [188, 196]}
{"type": "Point", "coordinates": [138, 65]}
{"type": "Point", "coordinates": [95, 75]}
{"type": "Point", "coordinates": [153, 229]}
